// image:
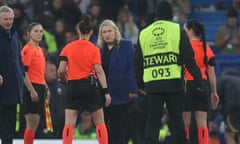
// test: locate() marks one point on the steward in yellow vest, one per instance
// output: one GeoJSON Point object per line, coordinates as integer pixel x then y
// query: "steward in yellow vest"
{"type": "Point", "coordinates": [162, 52]}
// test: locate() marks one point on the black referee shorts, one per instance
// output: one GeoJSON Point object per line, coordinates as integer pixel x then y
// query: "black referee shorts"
{"type": "Point", "coordinates": [81, 94]}
{"type": "Point", "coordinates": [34, 107]}
{"type": "Point", "coordinates": [196, 100]}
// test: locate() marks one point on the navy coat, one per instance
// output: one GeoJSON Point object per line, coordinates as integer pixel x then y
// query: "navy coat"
{"type": "Point", "coordinates": [11, 68]}
{"type": "Point", "coordinates": [120, 76]}
{"type": "Point", "coordinates": [228, 89]}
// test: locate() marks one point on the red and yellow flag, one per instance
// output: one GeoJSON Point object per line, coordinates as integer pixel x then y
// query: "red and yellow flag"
{"type": "Point", "coordinates": [49, 124]}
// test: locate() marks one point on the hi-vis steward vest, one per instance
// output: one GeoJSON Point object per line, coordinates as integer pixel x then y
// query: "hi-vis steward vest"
{"type": "Point", "coordinates": [160, 47]}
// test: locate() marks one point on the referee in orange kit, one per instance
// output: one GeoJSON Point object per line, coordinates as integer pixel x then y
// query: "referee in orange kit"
{"type": "Point", "coordinates": [36, 87]}
{"type": "Point", "coordinates": [80, 65]}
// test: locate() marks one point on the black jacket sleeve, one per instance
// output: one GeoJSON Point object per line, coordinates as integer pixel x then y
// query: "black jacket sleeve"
{"type": "Point", "coordinates": [138, 66]}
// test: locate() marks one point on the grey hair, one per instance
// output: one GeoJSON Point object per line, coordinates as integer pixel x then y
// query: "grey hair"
{"type": "Point", "coordinates": [6, 9]}
{"type": "Point", "coordinates": [107, 22]}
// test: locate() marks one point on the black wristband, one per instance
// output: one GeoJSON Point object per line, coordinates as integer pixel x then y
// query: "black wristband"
{"type": "Point", "coordinates": [105, 90]}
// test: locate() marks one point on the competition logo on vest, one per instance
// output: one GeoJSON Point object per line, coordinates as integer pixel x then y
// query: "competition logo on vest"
{"type": "Point", "coordinates": [158, 31]}
{"type": "Point", "coordinates": [158, 42]}
{"type": "Point", "coordinates": [161, 51]}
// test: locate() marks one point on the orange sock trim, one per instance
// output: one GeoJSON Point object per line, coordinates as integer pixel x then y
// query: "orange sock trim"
{"type": "Point", "coordinates": [29, 136]}
{"type": "Point", "coordinates": [214, 141]}
{"type": "Point", "coordinates": [203, 135]}
{"type": "Point", "coordinates": [67, 135]}
{"type": "Point", "coordinates": [187, 133]}
{"type": "Point", "coordinates": [102, 134]}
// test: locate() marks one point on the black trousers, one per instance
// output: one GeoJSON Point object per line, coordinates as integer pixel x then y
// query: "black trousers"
{"type": "Point", "coordinates": [174, 103]}
{"type": "Point", "coordinates": [116, 118]}
{"type": "Point", "coordinates": [7, 123]}
{"type": "Point", "coordinates": [137, 120]}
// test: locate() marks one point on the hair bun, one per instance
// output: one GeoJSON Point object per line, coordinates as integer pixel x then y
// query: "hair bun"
{"type": "Point", "coordinates": [86, 24]}
{"type": "Point", "coordinates": [87, 18]}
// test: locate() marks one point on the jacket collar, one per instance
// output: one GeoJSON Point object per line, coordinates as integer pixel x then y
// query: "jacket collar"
{"type": "Point", "coordinates": [4, 31]}
{"type": "Point", "coordinates": [113, 56]}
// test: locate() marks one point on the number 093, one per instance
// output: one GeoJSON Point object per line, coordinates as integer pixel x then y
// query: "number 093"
{"type": "Point", "coordinates": [161, 72]}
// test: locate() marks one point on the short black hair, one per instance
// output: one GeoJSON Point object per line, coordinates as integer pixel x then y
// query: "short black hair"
{"type": "Point", "coordinates": [164, 11]}
{"type": "Point", "coordinates": [232, 12]}
{"type": "Point", "coordinates": [230, 71]}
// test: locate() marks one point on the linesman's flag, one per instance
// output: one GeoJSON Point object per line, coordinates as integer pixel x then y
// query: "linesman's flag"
{"type": "Point", "coordinates": [49, 124]}
{"type": "Point", "coordinates": [17, 127]}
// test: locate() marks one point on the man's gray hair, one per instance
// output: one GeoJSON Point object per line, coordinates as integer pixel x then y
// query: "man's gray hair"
{"type": "Point", "coordinates": [5, 9]}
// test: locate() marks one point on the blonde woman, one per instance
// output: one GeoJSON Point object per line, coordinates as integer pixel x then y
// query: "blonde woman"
{"type": "Point", "coordinates": [117, 60]}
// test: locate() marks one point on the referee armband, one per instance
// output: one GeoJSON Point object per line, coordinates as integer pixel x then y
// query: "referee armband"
{"type": "Point", "coordinates": [63, 58]}
{"type": "Point", "coordinates": [25, 68]}
{"type": "Point", "coordinates": [105, 91]}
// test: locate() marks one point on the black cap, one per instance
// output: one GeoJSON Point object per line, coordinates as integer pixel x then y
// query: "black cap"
{"type": "Point", "coordinates": [230, 71]}
{"type": "Point", "coordinates": [164, 11]}
{"type": "Point", "coordinates": [232, 13]}
{"type": "Point", "coordinates": [18, 6]}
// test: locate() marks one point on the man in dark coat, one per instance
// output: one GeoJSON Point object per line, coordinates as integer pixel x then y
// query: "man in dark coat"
{"type": "Point", "coordinates": [58, 93]}
{"type": "Point", "coordinates": [11, 75]}
{"type": "Point", "coordinates": [229, 93]}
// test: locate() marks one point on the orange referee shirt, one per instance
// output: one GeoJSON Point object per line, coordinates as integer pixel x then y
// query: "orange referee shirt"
{"type": "Point", "coordinates": [34, 59]}
{"type": "Point", "coordinates": [199, 57]}
{"type": "Point", "coordinates": [81, 56]}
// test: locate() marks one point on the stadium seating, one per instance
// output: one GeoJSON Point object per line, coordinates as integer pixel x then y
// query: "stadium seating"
{"type": "Point", "coordinates": [206, 3]}
{"type": "Point", "coordinates": [203, 3]}
{"type": "Point", "coordinates": [211, 20]}
{"type": "Point", "coordinates": [226, 61]}
{"type": "Point", "coordinates": [209, 15]}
